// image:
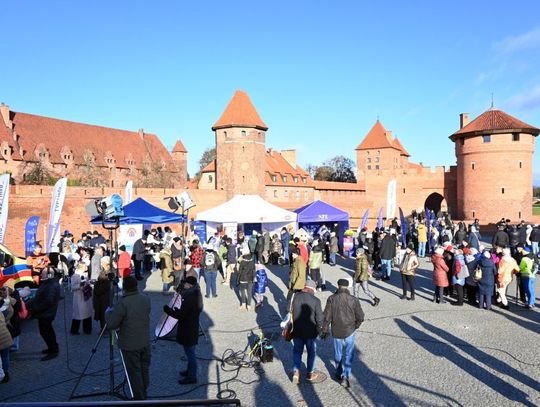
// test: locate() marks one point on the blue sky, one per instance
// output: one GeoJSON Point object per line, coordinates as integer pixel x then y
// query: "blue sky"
{"type": "Point", "coordinates": [318, 72]}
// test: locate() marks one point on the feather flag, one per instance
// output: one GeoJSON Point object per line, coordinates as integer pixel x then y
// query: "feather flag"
{"type": "Point", "coordinates": [4, 204]}
{"type": "Point", "coordinates": [57, 203]}
{"type": "Point", "coordinates": [428, 225]}
{"type": "Point", "coordinates": [128, 193]}
{"type": "Point", "coordinates": [404, 228]}
{"type": "Point", "coordinates": [380, 220]}
{"type": "Point", "coordinates": [364, 219]}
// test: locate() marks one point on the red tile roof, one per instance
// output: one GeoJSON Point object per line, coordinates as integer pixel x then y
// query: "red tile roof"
{"type": "Point", "coordinates": [5, 136]}
{"type": "Point", "coordinates": [377, 137]}
{"type": "Point", "coordinates": [338, 186]}
{"type": "Point", "coordinates": [55, 134]}
{"type": "Point", "coordinates": [400, 147]}
{"type": "Point", "coordinates": [211, 167]}
{"type": "Point", "coordinates": [240, 112]}
{"type": "Point", "coordinates": [276, 165]}
{"type": "Point", "coordinates": [179, 147]}
{"type": "Point", "coordinates": [495, 121]}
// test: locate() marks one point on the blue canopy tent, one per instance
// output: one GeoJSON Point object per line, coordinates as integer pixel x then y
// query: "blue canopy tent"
{"type": "Point", "coordinates": [318, 213]}
{"type": "Point", "coordinates": [142, 212]}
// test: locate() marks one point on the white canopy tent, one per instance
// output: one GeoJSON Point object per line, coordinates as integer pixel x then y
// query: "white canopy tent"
{"type": "Point", "coordinates": [242, 209]}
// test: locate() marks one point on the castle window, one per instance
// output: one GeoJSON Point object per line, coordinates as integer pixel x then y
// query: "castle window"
{"type": "Point", "coordinates": [274, 178]}
{"type": "Point", "coordinates": [376, 167]}
{"type": "Point", "coordinates": [243, 179]}
{"type": "Point", "coordinates": [473, 214]}
{"type": "Point", "coordinates": [369, 167]}
{"type": "Point", "coordinates": [284, 178]}
{"type": "Point", "coordinates": [378, 152]}
{"type": "Point", "coordinates": [243, 133]}
{"type": "Point", "coordinates": [286, 194]}
{"type": "Point", "coordinates": [487, 138]}
{"type": "Point", "coordinates": [275, 193]}
{"type": "Point", "coordinates": [367, 153]}
{"type": "Point", "coordinates": [243, 149]}
{"type": "Point", "coordinates": [377, 159]}
{"type": "Point", "coordinates": [502, 190]}
{"type": "Point", "coordinates": [297, 194]}
{"type": "Point", "coordinates": [304, 180]}
{"type": "Point", "coordinates": [306, 195]}
{"type": "Point", "coordinates": [225, 133]}
{"type": "Point", "coordinates": [210, 179]}
{"type": "Point", "coordinates": [519, 215]}
{"type": "Point", "coordinates": [515, 136]}
{"type": "Point", "coordinates": [521, 164]}
{"type": "Point", "coordinates": [403, 190]}
{"type": "Point", "coordinates": [295, 179]}
{"type": "Point", "coordinates": [369, 160]}
{"type": "Point", "coordinates": [472, 165]}
{"type": "Point", "coordinates": [462, 140]}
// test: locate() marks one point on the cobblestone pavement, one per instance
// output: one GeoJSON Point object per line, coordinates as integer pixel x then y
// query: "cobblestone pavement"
{"type": "Point", "coordinates": [409, 353]}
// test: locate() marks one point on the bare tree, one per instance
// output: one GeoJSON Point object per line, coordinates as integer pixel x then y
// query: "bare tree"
{"type": "Point", "coordinates": [38, 173]}
{"type": "Point", "coordinates": [91, 175]}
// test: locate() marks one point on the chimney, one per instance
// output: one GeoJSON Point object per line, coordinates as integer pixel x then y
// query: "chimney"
{"type": "Point", "coordinates": [141, 133]}
{"type": "Point", "coordinates": [4, 111]}
{"type": "Point", "coordinates": [290, 156]}
{"type": "Point", "coordinates": [463, 120]}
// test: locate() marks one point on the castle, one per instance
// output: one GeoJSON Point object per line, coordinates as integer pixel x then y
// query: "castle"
{"type": "Point", "coordinates": [492, 178]}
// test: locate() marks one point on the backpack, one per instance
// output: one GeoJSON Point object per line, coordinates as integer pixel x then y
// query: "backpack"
{"type": "Point", "coordinates": [209, 259]}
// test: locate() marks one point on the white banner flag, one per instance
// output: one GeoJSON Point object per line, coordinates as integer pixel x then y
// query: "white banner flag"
{"type": "Point", "coordinates": [391, 200]}
{"type": "Point", "coordinates": [129, 192]}
{"type": "Point", "coordinates": [57, 203]}
{"type": "Point", "coordinates": [4, 204]}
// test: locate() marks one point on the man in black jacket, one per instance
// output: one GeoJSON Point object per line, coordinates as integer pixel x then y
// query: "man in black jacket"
{"type": "Point", "coordinates": [43, 307]}
{"type": "Point", "coordinates": [307, 318]}
{"type": "Point", "coordinates": [344, 315]}
{"type": "Point", "coordinates": [387, 252]}
{"type": "Point", "coordinates": [187, 333]}
{"type": "Point", "coordinates": [139, 251]}
{"type": "Point", "coordinates": [501, 238]}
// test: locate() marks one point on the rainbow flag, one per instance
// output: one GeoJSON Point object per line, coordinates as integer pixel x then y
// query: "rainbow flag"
{"type": "Point", "coordinates": [15, 268]}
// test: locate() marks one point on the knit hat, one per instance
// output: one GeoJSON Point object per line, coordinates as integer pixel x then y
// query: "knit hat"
{"type": "Point", "coordinates": [311, 284]}
{"type": "Point", "coordinates": [130, 283]}
{"type": "Point", "coordinates": [342, 282]}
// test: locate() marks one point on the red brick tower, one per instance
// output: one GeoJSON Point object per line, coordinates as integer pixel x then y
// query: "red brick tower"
{"type": "Point", "coordinates": [494, 156]}
{"type": "Point", "coordinates": [179, 156]}
{"type": "Point", "coordinates": [240, 148]}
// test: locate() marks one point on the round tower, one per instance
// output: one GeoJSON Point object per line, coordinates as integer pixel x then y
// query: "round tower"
{"type": "Point", "coordinates": [494, 156]}
{"type": "Point", "coordinates": [240, 148]}
{"type": "Point", "coordinates": [179, 156]}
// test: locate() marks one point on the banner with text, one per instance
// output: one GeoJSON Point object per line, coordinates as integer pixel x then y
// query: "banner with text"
{"type": "Point", "coordinates": [30, 235]}
{"type": "Point", "coordinates": [129, 193]}
{"type": "Point", "coordinates": [4, 204]}
{"type": "Point", "coordinates": [57, 203]}
{"type": "Point", "coordinates": [391, 200]}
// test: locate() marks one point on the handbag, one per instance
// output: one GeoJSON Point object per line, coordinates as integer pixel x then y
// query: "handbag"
{"type": "Point", "coordinates": [477, 276]}
{"type": "Point", "coordinates": [287, 331]}
{"type": "Point", "coordinates": [87, 292]}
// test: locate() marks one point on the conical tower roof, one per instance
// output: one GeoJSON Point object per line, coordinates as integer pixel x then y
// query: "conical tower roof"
{"type": "Point", "coordinates": [377, 137]}
{"type": "Point", "coordinates": [495, 121]}
{"type": "Point", "coordinates": [179, 147]}
{"type": "Point", "coordinates": [240, 112]}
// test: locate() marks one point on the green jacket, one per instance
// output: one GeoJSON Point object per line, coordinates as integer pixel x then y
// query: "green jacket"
{"type": "Point", "coordinates": [297, 279]}
{"type": "Point", "coordinates": [131, 316]}
{"type": "Point", "coordinates": [526, 267]}
{"type": "Point", "coordinates": [315, 260]}
{"type": "Point", "coordinates": [362, 269]}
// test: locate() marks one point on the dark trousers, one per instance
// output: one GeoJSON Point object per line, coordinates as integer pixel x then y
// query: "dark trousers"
{"type": "Point", "coordinates": [138, 369]}
{"type": "Point", "coordinates": [46, 331]}
{"type": "Point", "coordinates": [438, 295]}
{"type": "Point", "coordinates": [459, 290]}
{"type": "Point", "coordinates": [471, 294]}
{"type": "Point", "coordinates": [87, 325]}
{"type": "Point", "coordinates": [407, 280]}
{"type": "Point", "coordinates": [245, 290]}
{"type": "Point", "coordinates": [315, 275]}
{"type": "Point", "coordinates": [138, 267]}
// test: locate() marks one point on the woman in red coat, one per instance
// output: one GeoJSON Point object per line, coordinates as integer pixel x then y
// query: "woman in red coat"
{"type": "Point", "coordinates": [440, 277]}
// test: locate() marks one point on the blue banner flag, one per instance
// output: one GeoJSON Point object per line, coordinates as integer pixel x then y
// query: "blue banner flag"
{"type": "Point", "coordinates": [30, 235]}
{"type": "Point", "coordinates": [428, 225]}
{"type": "Point", "coordinates": [364, 219]}
{"type": "Point", "coordinates": [380, 220]}
{"type": "Point", "coordinates": [404, 228]}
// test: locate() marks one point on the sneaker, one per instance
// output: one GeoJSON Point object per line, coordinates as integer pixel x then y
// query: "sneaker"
{"type": "Point", "coordinates": [49, 356]}
{"type": "Point", "coordinates": [312, 377]}
{"type": "Point", "coordinates": [376, 301]}
{"type": "Point", "coordinates": [403, 297]}
{"type": "Point", "coordinates": [248, 307]}
{"type": "Point", "coordinates": [206, 296]}
{"type": "Point", "coordinates": [242, 307]}
{"type": "Point", "coordinates": [345, 382]}
{"type": "Point", "coordinates": [187, 380]}
{"type": "Point", "coordinates": [296, 377]}
{"type": "Point", "coordinates": [215, 295]}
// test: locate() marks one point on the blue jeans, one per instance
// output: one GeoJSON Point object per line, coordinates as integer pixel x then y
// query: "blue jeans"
{"type": "Point", "coordinates": [198, 271]}
{"type": "Point", "coordinates": [298, 350]}
{"type": "Point", "coordinates": [332, 258]}
{"type": "Point", "coordinates": [528, 288]}
{"type": "Point", "coordinates": [422, 249]}
{"type": "Point", "coordinates": [534, 247]}
{"type": "Point", "coordinates": [210, 277]}
{"type": "Point", "coordinates": [286, 252]}
{"type": "Point", "coordinates": [4, 354]}
{"type": "Point", "coordinates": [386, 267]}
{"type": "Point", "coordinates": [191, 361]}
{"type": "Point", "coordinates": [343, 355]}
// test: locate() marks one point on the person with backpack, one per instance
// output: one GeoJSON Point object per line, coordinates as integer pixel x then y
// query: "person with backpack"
{"type": "Point", "coordinates": [211, 263]}
{"type": "Point", "coordinates": [261, 282]}
{"type": "Point", "coordinates": [244, 279]}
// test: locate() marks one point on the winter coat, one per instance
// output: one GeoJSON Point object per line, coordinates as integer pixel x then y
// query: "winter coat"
{"type": "Point", "coordinates": [334, 244]}
{"type": "Point", "coordinates": [246, 270]}
{"type": "Point", "coordinates": [261, 281]}
{"type": "Point", "coordinates": [343, 313]}
{"type": "Point", "coordinates": [139, 250]}
{"type": "Point", "coordinates": [252, 244]}
{"type": "Point", "coordinates": [166, 266]}
{"type": "Point", "coordinates": [267, 240]}
{"type": "Point", "coordinates": [315, 260]}
{"type": "Point", "coordinates": [13, 320]}
{"type": "Point", "coordinates": [362, 269]}
{"type": "Point", "coordinates": [307, 315]}
{"type": "Point", "coordinates": [276, 246]}
{"type": "Point", "coordinates": [387, 250]}
{"type": "Point", "coordinates": [82, 309]}
{"type": "Point", "coordinates": [409, 264]}
{"type": "Point", "coordinates": [187, 331]}
{"type": "Point", "coordinates": [535, 235]}
{"type": "Point", "coordinates": [460, 235]}
{"type": "Point", "coordinates": [507, 267]}
{"type": "Point", "coordinates": [471, 262]}
{"type": "Point", "coordinates": [297, 278]}
{"type": "Point", "coordinates": [95, 266]}
{"type": "Point", "coordinates": [210, 256]}
{"type": "Point", "coordinates": [232, 254]}
{"type": "Point", "coordinates": [487, 282]}
{"type": "Point", "coordinates": [440, 270]}
{"type": "Point", "coordinates": [45, 303]}
{"type": "Point", "coordinates": [501, 239]}
{"type": "Point", "coordinates": [523, 235]}
{"type": "Point", "coordinates": [514, 236]}
{"type": "Point", "coordinates": [132, 317]}
{"type": "Point", "coordinates": [422, 233]}
{"type": "Point", "coordinates": [474, 240]}
{"type": "Point", "coordinates": [5, 337]}
{"type": "Point", "coordinates": [102, 298]}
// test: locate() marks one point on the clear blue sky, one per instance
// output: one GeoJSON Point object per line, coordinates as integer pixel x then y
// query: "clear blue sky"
{"type": "Point", "coordinates": [318, 72]}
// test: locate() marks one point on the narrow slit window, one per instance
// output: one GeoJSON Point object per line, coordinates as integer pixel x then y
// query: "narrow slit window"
{"type": "Point", "coordinates": [502, 190]}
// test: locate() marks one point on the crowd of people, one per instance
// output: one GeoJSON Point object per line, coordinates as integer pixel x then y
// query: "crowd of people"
{"type": "Point", "coordinates": [464, 271]}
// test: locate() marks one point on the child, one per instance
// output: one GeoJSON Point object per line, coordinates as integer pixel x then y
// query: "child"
{"type": "Point", "coordinates": [260, 285]}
